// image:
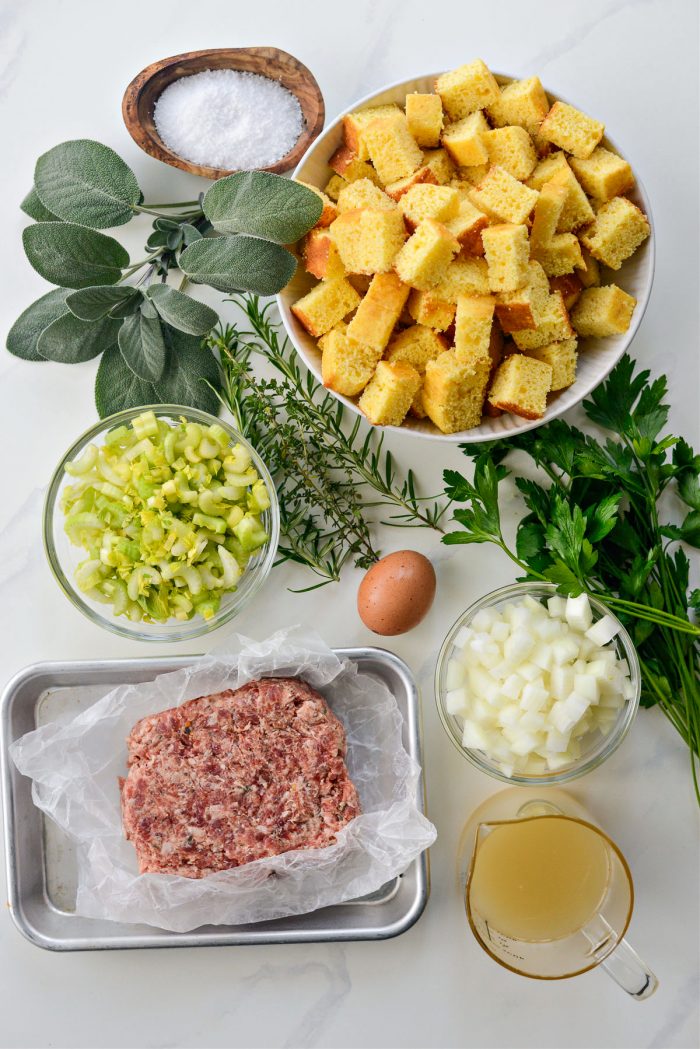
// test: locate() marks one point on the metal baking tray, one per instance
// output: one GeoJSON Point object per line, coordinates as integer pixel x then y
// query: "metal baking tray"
{"type": "Point", "coordinates": [40, 858]}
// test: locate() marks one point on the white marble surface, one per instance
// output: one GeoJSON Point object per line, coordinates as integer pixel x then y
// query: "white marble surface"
{"type": "Point", "coordinates": [63, 68]}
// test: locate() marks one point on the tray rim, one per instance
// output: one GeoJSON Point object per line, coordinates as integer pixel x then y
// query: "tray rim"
{"type": "Point", "coordinates": [163, 938]}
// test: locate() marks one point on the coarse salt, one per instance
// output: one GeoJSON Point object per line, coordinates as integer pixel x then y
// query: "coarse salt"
{"type": "Point", "coordinates": [225, 119]}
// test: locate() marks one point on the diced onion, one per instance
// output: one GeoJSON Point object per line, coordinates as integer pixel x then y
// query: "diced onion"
{"type": "Point", "coordinates": [530, 682]}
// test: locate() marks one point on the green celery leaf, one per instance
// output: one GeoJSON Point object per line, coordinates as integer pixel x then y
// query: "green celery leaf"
{"type": "Point", "coordinates": [32, 206]}
{"type": "Point", "coordinates": [189, 370]}
{"type": "Point", "coordinates": [116, 386]}
{"type": "Point", "coordinates": [238, 264]}
{"type": "Point", "coordinates": [89, 304]}
{"type": "Point", "coordinates": [84, 181]}
{"type": "Point", "coordinates": [142, 346]}
{"type": "Point", "coordinates": [181, 311]}
{"type": "Point", "coordinates": [263, 205]}
{"type": "Point", "coordinates": [24, 334]}
{"type": "Point", "coordinates": [72, 341]}
{"type": "Point", "coordinates": [73, 256]}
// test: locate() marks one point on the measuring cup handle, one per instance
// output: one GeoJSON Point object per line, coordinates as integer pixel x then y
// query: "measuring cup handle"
{"type": "Point", "coordinates": [630, 971]}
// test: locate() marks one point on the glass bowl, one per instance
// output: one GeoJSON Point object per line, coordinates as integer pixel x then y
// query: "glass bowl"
{"type": "Point", "coordinates": [64, 557]}
{"type": "Point", "coordinates": [595, 747]}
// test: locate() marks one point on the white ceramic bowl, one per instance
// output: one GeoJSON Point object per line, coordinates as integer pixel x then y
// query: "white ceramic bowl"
{"type": "Point", "coordinates": [597, 356]}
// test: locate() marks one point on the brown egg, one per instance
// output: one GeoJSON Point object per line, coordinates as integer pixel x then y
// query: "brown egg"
{"type": "Point", "coordinates": [396, 593]}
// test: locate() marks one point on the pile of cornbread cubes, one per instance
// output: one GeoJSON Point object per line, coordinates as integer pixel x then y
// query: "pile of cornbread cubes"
{"type": "Point", "coordinates": [460, 248]}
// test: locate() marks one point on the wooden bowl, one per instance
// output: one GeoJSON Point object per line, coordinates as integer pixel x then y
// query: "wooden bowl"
{"type": "Point", "coordinates": [144, 90]}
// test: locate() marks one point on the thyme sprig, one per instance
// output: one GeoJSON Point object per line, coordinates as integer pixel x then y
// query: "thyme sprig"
{"type": "Point", "coordinates": [328, 475]}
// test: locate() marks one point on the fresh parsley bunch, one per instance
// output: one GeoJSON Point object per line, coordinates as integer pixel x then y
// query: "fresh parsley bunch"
{"type": "Point", "coordinates": [149, 334]}
{"type": "Point", "coordinates": [596, 525]}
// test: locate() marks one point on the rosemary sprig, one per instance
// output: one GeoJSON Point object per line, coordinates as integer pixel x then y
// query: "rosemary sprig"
{"type": "Point", "coordinates": [326, 478]}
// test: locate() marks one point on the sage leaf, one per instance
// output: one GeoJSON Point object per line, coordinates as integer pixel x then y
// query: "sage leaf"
{"type": "Point", "coordinates": [238, 264]}
{"type": "Point", "coordinates": [24, 333]}
{"type": "Point", "coordinates": [86, 182]}
{"type": "Point", "coordinates": [142, 346]}
{"type": "Point", "coordinates": [128, 306]}
{"type": "Point", "coordinates": [89, 304]}
{"type": "Point", "coordinates": [73, 256]}
{"type": "Point", "coordinates": [181, 311]}
{"type": "Point", "coordinates": [116, 386]}
{"type": "Point", "coordinates": [189, 369]}
{"type": "Point", "coordinates": [262, 204]}
{"type": "Point", "coordinates": [32, 206]}
{"type": "Point", "coordinates": [71, 341]}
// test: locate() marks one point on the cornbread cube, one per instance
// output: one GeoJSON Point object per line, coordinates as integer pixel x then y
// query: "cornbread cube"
{"type": "Point", "coordinates": [577, 210]}
{"type": "Point", "coordinates": [345, 163]}
{"type": "Point", "coordinates": [466, 89]}
{"type": "Point", "coordinates": [507, 251]}
{"type": "Point", "coordinates": [464, 276]}
{"type": "Point", "coordinates": [421, 176]}
{"type": "Point", "coordinates": [333, 187]}
{"type": "Point", "coordinates": [605, 311]}
{"type": "Point", "coordinates": [363, 194]}
{"type": "Point", "coordinates": [329, 212]}
{"type": "Point", "coordinates": [473, 325]}
{"type": "Point", "coordinates": [616, 232]}
{"type": "Point", "coordinates": [572, 130]}
{"type": "Point", "coordinates": [368, 240]}
{"type": "Point", "coordinates": [429, 202]}
{"type": "Point", "coordinates": [468, 226]}
{"type": "Point", "coordinates": [346, 366]}
{"type": "Point", "coordinates": [440, 163]}
{"type": "Point", "coordinates": [355, 123]}
{"type": "Point", "coordinates": [511, 148]}
{"type": "Point", "coordinates": [522, 103]}
{"type": "Point", "coordinates": [521, 385]}
{"type": "Point", "coordinates": [521, 309]}
{"type": "Point", "coordinates": [503, 198]}
{"type": "Point", "coordinates": [425, 256]}
{"type": "Point", "coordinates": [426, 307]}
{"type": "Point", "coordinates": [321, 256]}
{"type": "Point", "coordinates": [468, 177]}
{"type": "Point", "coordinates": [392, 149]}
{"type": "Point", "coordinates": [378, 312]}
{"type": "Point", "coordinates": [558, 253]}
{"type": "Point", "coordinates": [389, 393]}
{"type": "Point", "coordinates": [561, 357]}
{"type": "Point", "coordinates": [325, 305]}
{"type": "Point", "coordinates": [424, 116]}
{"type": "Point", "coordinates": [553, 325]}
{"type": "Point", "coordinates": [570, 286]}
{"type": "Point", "coordinates": [416, 345]}
{"type": "Point", "coordinates": [603, 175]}
{"type": "Point", "coordinates": [589, 272]}
{"type": "Point", "coordinates": [464, 141]}
{"type": "Point", "coordinates": [454, 389]}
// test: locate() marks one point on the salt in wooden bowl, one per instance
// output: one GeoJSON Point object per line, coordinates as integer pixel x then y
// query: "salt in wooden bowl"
{"type": "Point", "coordinates": [146, 88]}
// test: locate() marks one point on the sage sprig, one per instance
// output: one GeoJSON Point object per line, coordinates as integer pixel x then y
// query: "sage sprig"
{"type": "Point", "coordinates": [149, 334]}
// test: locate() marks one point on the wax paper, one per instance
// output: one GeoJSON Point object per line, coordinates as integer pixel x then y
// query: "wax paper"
{"type": "Point", "coordinates": [75, 767]}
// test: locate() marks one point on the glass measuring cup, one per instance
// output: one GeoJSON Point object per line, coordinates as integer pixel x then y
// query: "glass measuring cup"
{"type": "Point", "coordinates": [548, 894]}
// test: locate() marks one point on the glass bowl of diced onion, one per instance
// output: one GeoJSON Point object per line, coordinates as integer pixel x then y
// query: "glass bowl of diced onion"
{"type": "Point", "coordinates": [534, 688]}
{"type": "Point", "coordinates": [173, 576]}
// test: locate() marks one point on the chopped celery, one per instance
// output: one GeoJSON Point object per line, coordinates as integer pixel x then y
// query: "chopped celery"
{"type": "Point", "coordinates": [169, 515]}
